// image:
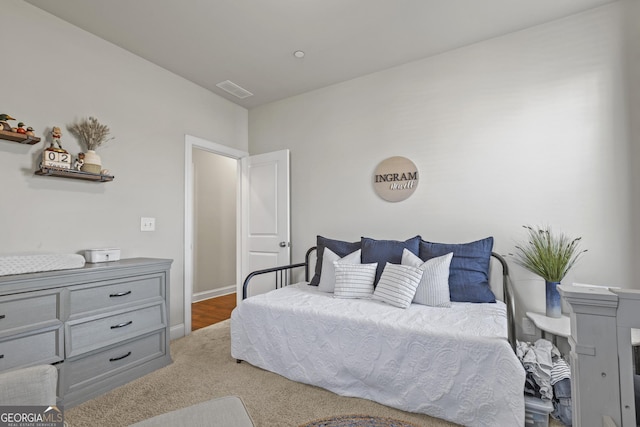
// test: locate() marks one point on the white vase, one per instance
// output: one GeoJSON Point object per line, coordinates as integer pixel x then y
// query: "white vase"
{"type": "Point", "coordinates": [92, 162]}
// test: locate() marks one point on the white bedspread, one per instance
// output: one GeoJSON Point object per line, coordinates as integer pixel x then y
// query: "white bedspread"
{"type": "Point", "coordinates": [452, 363]}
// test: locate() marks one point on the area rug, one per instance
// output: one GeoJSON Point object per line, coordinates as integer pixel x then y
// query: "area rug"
{"type": "Point", "coordinates": [358, 421]}
{"type": "Point", "coordinates": [203, 369]}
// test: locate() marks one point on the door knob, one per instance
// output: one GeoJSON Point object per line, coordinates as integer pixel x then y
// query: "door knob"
{"type": "Point", "coordinates": [284, 244]}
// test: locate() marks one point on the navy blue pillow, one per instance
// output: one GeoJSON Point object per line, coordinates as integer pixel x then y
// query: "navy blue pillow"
{"type": "Point", "coordinates": [469, 269]}
{"type": "Point", "coordinates": [338, 247]}
{"type": "Point", "coordinates": [383, 251]}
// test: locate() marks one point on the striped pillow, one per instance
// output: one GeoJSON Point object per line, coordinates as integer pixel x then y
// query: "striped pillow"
{"type": "Point", "coordinates": [433, 289]}
{"type": "Point", "coordinates": [398, 284]}
{"type": "Point", "coordinates": [354, 280]}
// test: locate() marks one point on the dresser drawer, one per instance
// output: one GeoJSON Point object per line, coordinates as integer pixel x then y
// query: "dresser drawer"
{"type": "Point", "coordinates": [38, 348]}
{"type": "Point", "coordinates": [87, 335]}
{"type": "Point", "coordinates": [102, 365]}
{"type": "Point", "coordinates": [28, 310]}
{"type": "Point", "coordinates": [86, 298]}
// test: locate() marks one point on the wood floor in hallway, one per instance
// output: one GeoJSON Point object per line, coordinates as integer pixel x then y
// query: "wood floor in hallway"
{"type": "Point", "coordinates": [212, 310]}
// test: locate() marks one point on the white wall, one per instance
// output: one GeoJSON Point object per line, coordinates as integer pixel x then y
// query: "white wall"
{"type": "Point", "coordinates": [215, 186]}
{"type": "Point", "coordinates": [631, 12]}
{"type": "Point", "coordinates": [529, 128]}
{"type": "Point", "coordinates": [52, 74]}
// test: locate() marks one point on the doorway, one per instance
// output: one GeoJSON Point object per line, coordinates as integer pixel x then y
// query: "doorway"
{"type": "Point", "coordinates": [213, 310]}
{"type": "Point", "coordinates": [214, 224]}
{"type": "Point", "coordinates": [201, 199]}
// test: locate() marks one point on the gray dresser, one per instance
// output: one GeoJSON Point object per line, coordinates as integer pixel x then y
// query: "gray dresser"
{"type": "Point", "coordinates": [102, 325]}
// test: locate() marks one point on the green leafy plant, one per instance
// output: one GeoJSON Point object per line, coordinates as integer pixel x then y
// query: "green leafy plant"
{"type": "Point", "coordinates": [90, 132]}
{"type": "Point", "coordinates": [549, 255]}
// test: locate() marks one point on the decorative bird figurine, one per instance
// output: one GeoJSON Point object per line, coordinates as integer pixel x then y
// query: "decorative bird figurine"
{"type": "Point", "coordinates": [4, 118]}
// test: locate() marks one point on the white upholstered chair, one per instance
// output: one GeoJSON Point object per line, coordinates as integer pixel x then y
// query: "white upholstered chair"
{"type": "Point", "coordinates": [33, 386]}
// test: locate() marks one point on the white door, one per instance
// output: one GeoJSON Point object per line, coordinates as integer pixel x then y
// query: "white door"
{"type": "Point", "coordinates": [265, 228]}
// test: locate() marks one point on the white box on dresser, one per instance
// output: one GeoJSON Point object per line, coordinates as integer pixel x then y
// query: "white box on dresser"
{"type": "Point", "coordinates": [102, 255]}
{"type": "Point", "coordinates": [102, 325]}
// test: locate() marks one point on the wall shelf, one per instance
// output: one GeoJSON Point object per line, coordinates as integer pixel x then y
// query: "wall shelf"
{"type": "Point", "coordinates": [68, 173]}
{"type": "Point", "coordinates": [18, 137]}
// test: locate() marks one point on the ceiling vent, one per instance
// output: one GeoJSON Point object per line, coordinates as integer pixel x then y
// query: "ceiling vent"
{"type": "Point", "coordinates": [234, 89]}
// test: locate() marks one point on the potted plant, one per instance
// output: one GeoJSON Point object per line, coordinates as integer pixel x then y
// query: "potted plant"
{"type": "Point", "coordinates": [549, 255]}
{"type": "Point", "coordinates": [92, 134]}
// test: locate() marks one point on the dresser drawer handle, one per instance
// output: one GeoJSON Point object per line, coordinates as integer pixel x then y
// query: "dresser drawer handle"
{"type": "Point", "coordinates": [113, 359]}
{"type": "Point", "coordinates": [2, 316]}
{"type": "Point", "coordinates": [1, 356]}
{"type": "Point", "coordinates": [119, 294]}
{"type": "Point", "coordinates": [122, 325]}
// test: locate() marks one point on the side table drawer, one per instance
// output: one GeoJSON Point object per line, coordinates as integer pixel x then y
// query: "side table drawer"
{"type": "Point", "coordinates": [85, 298]}
{"type": "Point", "coordinates": [38, 348]}
{"type": "Point", "coordinates": [28, 309]}
{"type": "Point", "coordinates": [102, 365]}
{"type": "Point", "coordinates": [88, 335]}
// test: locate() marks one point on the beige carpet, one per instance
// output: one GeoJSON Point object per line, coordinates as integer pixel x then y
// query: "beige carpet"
{"type": "Point", "coordinates": [203, 369]}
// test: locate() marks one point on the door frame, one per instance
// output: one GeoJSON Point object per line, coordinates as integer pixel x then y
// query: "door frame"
{"type": "Point", "coordinates": [192, 142]}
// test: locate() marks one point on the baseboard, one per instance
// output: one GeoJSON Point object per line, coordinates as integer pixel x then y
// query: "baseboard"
{"type": "Point", "coordinates": [201, 296]}
{"type": "Point", "coordinates": [176, 332]}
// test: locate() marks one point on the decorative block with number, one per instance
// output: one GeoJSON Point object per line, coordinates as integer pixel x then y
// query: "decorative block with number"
{"type": "Point", "coordinates": [56, 159]}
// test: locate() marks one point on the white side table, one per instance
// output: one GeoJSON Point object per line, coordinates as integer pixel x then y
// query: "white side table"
{"type": "Point", "coordinates": [558, 327]}
{"type": "Point", "coordinates": [561, 327]}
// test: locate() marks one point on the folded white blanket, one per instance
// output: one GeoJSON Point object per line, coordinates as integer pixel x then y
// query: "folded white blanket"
{"type": "Point", "coordinates": [20, 264]}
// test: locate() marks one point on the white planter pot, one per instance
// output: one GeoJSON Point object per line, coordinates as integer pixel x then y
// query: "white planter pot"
{"type": "Point", "coordinates": [92, 162]}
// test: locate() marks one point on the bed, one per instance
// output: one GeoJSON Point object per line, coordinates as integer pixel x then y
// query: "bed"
{"type": "Point", "coordinates": [456, 363]}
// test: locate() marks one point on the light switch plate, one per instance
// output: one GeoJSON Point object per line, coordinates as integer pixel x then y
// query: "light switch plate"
{"type": "Point", "coordinates": [147, 224]}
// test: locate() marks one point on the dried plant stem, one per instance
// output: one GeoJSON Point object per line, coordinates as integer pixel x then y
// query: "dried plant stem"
{"type": "Point", "coordinates": [91, 133]}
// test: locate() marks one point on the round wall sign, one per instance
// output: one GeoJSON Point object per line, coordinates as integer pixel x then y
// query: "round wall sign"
{"type": "Point", "coordinates": [395, 179]}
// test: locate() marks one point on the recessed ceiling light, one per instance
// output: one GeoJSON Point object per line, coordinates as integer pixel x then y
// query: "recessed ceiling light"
{"type": "Point", "coordinates": [298, 54]}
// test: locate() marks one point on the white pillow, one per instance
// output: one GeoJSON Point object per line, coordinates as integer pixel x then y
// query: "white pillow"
{"type": "Point", "coordinates": [398, 284]}
{"type": "Point", "coordinates": [328, 277]}
{"type": "Point", "coordinates": [354, 280]}
{"type": "Point", "coordinates": [433, 289]}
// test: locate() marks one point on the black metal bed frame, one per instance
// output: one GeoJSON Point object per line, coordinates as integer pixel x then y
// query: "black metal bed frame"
{"type": "Point", "coordinates": [282, 279]}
